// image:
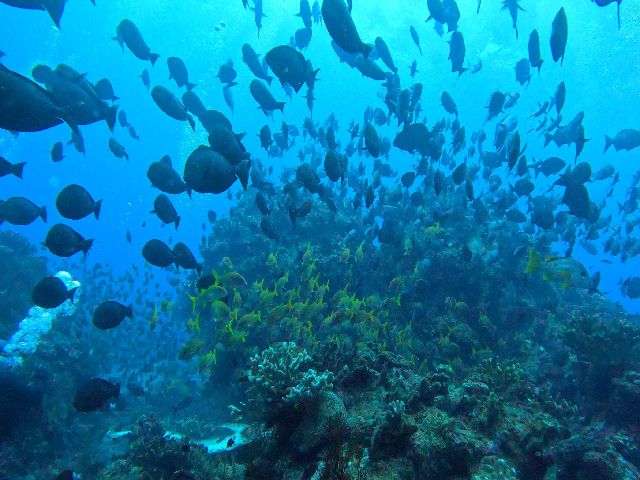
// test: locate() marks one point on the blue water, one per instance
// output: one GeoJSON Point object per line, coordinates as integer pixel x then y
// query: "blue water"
{"type": "Point", "coordinates": [600, 69]}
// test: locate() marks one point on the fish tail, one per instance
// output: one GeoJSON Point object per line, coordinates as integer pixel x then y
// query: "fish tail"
{"type": "Point", "coordinates": [191, 86]}
{"type": "Point", "coordinates": [177, 222]}
{"type": "Point", "coordinates": [72, 293]}
{"type": "Point", "coordinates": [547, 138]}
{"type": "Point", "coordinates": [281, 106]}
{"type": "Point", "coordinates": [153, 57]}
{"type": "Point", "coordinates": [43, 214]}
{"type": "Point", "coordinates": [17, 168]}
{"type": "Point", "coordinates": [192, 122]}
{"type": "Point", "coordinates": [129, 312]}
{"type": "Point", "coordinates": [96, 210]}
{"type": "Point", "coordinates": [110, 117]}
{"type": "Point", "coordinates": [55, 9]}
{"type": "Point", "coordinates": [87, 245]}
{"type": "Point", "coordinates": [269, 79]}
{"type": "Point", "coordinates": [608, 141]}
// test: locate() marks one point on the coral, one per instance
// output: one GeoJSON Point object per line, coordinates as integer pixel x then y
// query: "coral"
{"type": "Point", "coordinates": [279, 377]}
{"type": "Point", "coordinates": [495, 468]}
{"type": "Point", "coordinates": [393, 435]}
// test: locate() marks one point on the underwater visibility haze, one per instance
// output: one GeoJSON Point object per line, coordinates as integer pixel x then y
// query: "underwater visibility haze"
{"type": "Point", "coordinates": [298, 239]}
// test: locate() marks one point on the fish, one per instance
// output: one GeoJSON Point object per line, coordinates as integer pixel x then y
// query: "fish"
{"type": "Point", "coordinates": [8, 168]}
{"type": "Point", "coordinates": [25, 106]}
{"type": "Point", "coordinates": [74, 203]}
{"type": "Point", "coordinates": [513, 6]}
{"type": "Point", "coordinates": [128, 34]}
{"type": "Point", "coordinates": [178, 72]}
{"type": "Point", "coordinates": [342, 29]}
{"type": "Point", "coordinates": [163, 177]}
{"type": "Point", "coordinates": [227, 144]}
{"type": "Point", "coordinates": [627, 139]}
{"type": "Point", "coordinates": [372, 140]}
{"type": "Point", "coordinates": [415, 37]}
{"type": "Point", "coordinates": [496, 103]}
{"type": "Point", "coordinates": [55, 8]}
{"type": "Point", "coordinates": [117, 149]}
{"type": "Point", "coordinates": [104, 89]}
{"type": "Point", "coordinates": [51, 292]}
{"type": "Point", "coordinates": [165, 210]}
{"type": "Point", "coordinates": [449, 104]}
{"type": "Point", "coordinates": [302, 38]}
{"type": "Point", "coordinates": [560, 96]}
{"type": "Point", "coordinates": [261, 94]}
{"type": "Point", "coordinates": [567, 271]}
{"type": "Point", "coordinates": [559, 35]}
{"type": "Point", "coordinates": [604, 3]}
{"type": "Point", "coordinates": [335, 166]}
{"type": "Point", "coordinates": [457, 52]}
{"type": "Point", "coordinates": [110, 314]}
{"type": "Point", "coordinates": [193, 104]}
{"type": "Point", "coordinates": [158, 253]}
{"type": "Point", "coordinates": [64, 241]}
{"type": "Point", "coordinates": [226, 73]}
{"type": "Point", "coordinates": [269, 229]}
{"type": "Point", "coordinates": [291, 67]}
{"type": "Point", "coordinates": [385, 54]}
{"type": "Point", "coordinates": [252, 60]}
{"type": "Point", "coordinates": [523, 71]}
{"type": "Point", "coordinates": [183, 257]}
{"type": "Point", "coordinates": [146, 79]}
{"type": "Point", "coordinates": [305, 14]}
{"type": "Point", "coordinates": [550, 166]}
{"type": "Point", "coordinates": [534, 50]}
{"type": "Point", "coordinates": [171, 105]}
{"type": "Point", "coordinates": [206, 171]}
{"type": "Point", "coordinates": [95, 394]}
{"type": "Point", "coordinates": [21, 211]}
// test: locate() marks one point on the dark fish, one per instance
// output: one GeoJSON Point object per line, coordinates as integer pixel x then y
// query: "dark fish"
{"type": "Point", "coordinates": [51, 292]}
{"type": "Point", "coordinates": [74, 202]}
{"type": "Point", "coordinates": [559, 34]}
{"type": "Point", "coordinates": [523, 187]}
{"type": "Point", "coordinates": [342, 30]}
{"type": "Point", "coordinates": [165, 178]}
{"type": "Point", "coordinates": [627, 139]}
{"type": "Point", "coordinates": [265, 137]}
{"type": "Point", "coordinates": [407, 179]}
{"type": "Point", "coordinates": [75, 95]}
{"type": "Point", "coordinates": [226, 73]}
{"type": "Point", "coordinates": [250, 57]}
{"type": "Point", "coordinates": [158, 253]}
{"type": "Point", "coordinates": [335, 166]}
{"type": "Point", "coordinates": [128, 34]}
{"type": "Point", "coordinates": [604, 3]}
{"type": "Point", "coordinates": [438, 179]}
{"type": "Point", "coordinates": [290, 67]}
{"type": "Point", "coordinates": [305, 14]}
{"type": "Point", "coordinates": [206, 171]}
{"type": "Point", "coordinates": [183, 257]}
{"type": "Point", "coordinates": [18, 403]}
{"type": "Point", "coordinates": [269, 229]}
{"type": "Point", "coordinates": [210, 118]}
{"type": "Point", "coordinates": [496, 102]}
{"type": "Point", "coordinates": [227, 144]}
{"type": "Point", "coordinates": [457, 51]}
{"type": "Point", "coordinates": [171, 105]}
{"type": "Point", "coordinates": [513, 7]}
{"type": "Point", "coordinates": [127, 236]}
{"type": "Point", "coordinates": [146, 80]}
{"type": "Point", "coordinates": [449, 104]}
{"type": "Point", "coordinates": [21, 211]}
{"type": "Point", "coordinates": [110, 314]}
{"type": "Point", "coordinates": [459, 174]}
{"type": "Point", "coordinates": [77, 140]}
{"type": "Point", "coordinates": [64, 241]}
{"type": "Point", "coordinates": [55, 8]}
{"type": "Point", "coordinates": [95, 395]}
{"type": "Point", "coordinates": [8, 168]}
{"type": "Point", "coordinates": [523, 71]}
{"type": "Point", "coordinates": [66, 475]}
{"type": "Point", "coordinates": [178, 72]}
{"type": "Point", "coordinates": [534, 50]}
{"type": "Point", "coordinates": [258, 14]}
{"type": "Point", "coordinates": [302, 38]}
{"type": "Point", "coordinates": [385, 54]}
{"type": "Point", "coordinates": [576, 197]}
{"type": "Point", "coordinates": [122, 119]}
{"type": "Point", "coordinates": [415, 37]}
{"type": "Point", "coordinates": [165, 210]}
{"type": "Point", "coordinates": [372, 140]}
{"type": "Point", "coordinates": [193, 104]}
{"type": "Point", "coordinates": [261, 94]}
{"type": "Point", "coordinates": [117, 149]}
{"type": "Point", "coordinates": [132, 133]}
{"type": "Point", "coordinates": [413, 69]}
{"type": "Point", "coordinates": [104, 89]}
{"type": "Point", "coordinates": [369, 68]}
{"type": "Point", "coordinates": [212, 216]}
{"type": "Point", "coordinates": [24, 105]}
{"type": "Point", "coordinates": [369, 197]}
{"type": "Point", "coordinates": [516, 216]}
{"type": "Point", "coordinates": [263, 204]}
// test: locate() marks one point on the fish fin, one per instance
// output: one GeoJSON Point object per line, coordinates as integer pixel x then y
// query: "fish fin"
{"type": "Point", "coordinates": [191, 86]}
{"type": "Point", "coordinates": [281, 106]}
{"type": "Point", "coordinates": [72, 293]}
{"type": "Point", "coordinates": [269, 79]}
{"type": "Point", "coordinates": [153, 57]}
{"type": "Point", "coordinates": [533, 265]}
{"type": "Point", "coordinates": [192, 122]}
{"type": "Point", "coordinates": [177, 223]}
{"type": "Point", "coordinates": [110, 117]}
{"type": "Point", "coordinates": [43, 214]}
{"type": "Point", "coordinates": [87, 245]}
{"type": "Point", "coordinates": [17, 168]}
{"type": "Point", "coordinates": [96, 210]}
{"type": "Point", "coordinates": [55, 9]}
{"type": "Point", "coordinates": [608, 141]}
